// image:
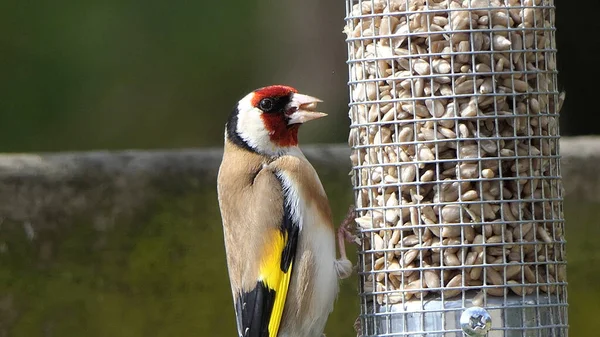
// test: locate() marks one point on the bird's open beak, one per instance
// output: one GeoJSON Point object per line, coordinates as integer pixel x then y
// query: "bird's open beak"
{"type": "Point", "coordinates": [302, 109]}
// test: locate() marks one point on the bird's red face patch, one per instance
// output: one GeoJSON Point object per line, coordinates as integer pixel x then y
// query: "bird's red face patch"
{"type": "Point", "coordinates": [275, 120]}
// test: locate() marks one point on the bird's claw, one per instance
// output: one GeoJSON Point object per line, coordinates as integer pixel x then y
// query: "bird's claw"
{"type": "Point", "coordinates": [358, 326]}
{"type": "Point", "coordinates": [346, 229]}
{"type": "Point", "coordinates": [344, 235]}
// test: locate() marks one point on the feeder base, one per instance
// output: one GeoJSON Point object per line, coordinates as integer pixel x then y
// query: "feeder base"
{"type": "Point", "coordinates": [513, 316]}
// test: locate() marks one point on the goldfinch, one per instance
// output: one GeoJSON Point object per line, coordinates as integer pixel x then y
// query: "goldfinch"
{"type": "Point", "coordinates": [277, 226]}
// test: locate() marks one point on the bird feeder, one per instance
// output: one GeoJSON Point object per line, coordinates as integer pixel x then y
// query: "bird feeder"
{"type": "Point", "coordinates": [455, 150]}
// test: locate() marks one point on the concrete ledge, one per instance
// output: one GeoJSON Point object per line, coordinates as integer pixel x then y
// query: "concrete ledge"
{"type": "Point", "coordinates": [580, 165]}
{"type": "Point", "coordinates": [48, 189]}
{"type": "Point", "coordinates": [43, 188]}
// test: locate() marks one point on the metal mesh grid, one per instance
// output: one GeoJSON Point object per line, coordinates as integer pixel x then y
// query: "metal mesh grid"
{"type": "Point", "coordinates": [454, 129]}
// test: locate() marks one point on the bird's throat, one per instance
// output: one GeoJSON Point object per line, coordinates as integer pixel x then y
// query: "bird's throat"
{"type": "Point", "coordinates": [280, 133]}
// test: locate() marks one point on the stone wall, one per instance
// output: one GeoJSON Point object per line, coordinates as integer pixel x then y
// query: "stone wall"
{"type": "Point", "coordinates": [44, 188]}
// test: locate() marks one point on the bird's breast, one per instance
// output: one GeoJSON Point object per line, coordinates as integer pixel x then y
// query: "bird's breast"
{"type": "Point", "coordinates": [314, 285]}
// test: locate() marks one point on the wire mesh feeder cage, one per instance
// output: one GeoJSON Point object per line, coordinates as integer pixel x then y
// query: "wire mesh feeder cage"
{"type": "Point", "coordinates": [454, 129]}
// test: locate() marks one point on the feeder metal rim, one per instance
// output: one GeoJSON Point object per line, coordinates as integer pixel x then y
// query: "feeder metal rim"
{"type": "Point", "coordinates": [428, 10]}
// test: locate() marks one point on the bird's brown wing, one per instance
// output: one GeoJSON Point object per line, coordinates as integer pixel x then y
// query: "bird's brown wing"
{"type": "Point", "coordinates": [261, 238]}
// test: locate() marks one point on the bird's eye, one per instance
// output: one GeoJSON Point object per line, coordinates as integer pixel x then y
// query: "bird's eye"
{"type": "Point", "coordinates": [266, 104]}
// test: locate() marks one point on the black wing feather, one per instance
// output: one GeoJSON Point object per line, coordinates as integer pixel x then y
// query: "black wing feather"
{"type": "Point", "coordinates": [253, 311]}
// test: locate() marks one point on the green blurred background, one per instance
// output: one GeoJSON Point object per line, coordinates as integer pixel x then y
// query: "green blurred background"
{"type": "Point", "coordinates": [114, 74]}
{"type": "Point", "coordinates": [88, 75]}
{"type": "Point", "coordinates": [79, 75]}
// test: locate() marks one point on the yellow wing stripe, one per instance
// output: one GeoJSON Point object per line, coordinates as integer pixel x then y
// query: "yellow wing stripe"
{"type": "Point", "coordinates": [274, 278]}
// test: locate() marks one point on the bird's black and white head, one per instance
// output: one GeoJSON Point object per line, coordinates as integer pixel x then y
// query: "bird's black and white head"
{"type": "Point", "coordinates": [267, 120]}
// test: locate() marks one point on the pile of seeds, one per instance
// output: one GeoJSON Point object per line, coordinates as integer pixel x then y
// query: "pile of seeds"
{"type": "Point", "coordinates": [454, 129]}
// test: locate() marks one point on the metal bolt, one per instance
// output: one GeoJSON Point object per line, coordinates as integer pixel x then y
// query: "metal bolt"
{"type": "Point", "coordinates": [475, 321]}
